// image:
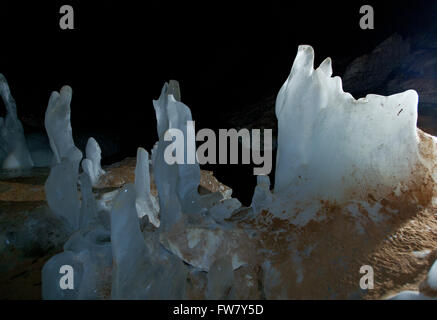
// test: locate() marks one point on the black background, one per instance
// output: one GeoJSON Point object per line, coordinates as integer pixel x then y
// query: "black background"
{"type": "Point", "coordinates": [225, 56]}
{"type": "Point", "coordinates": [273, 309]}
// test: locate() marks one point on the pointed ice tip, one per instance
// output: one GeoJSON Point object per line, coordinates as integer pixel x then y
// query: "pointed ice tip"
{"type": "Point", "coordinates": [164, 87]}
{"type": "Point", "coordinates": [65, 96]}
{"type": "Point", "coordinates": [92, 148]}
{"type": "Point", "coordinates": [174, 89]}
{"type": "Point", "coordinates": [4, 86]}
{"type": "Point", "coordinates": [304, 59]}
{"type": "Point", "coordinates": [53, 97]}
{"type": "Point", "coordinates": [162, 95]}
{"type": "Point", "coordinates": [142, 154]}
{"type": "Point", "coordinates": [326, 66]}
{"type": "Point", "coordinates": [66, 90]}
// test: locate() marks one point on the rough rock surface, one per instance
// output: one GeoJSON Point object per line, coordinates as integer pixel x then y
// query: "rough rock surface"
{"type": "Point", "coordinates": [396, 65]}
{"type": "Point", "coordinates": [368, 72]}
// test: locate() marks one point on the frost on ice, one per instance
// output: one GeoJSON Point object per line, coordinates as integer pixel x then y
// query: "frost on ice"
{"type": "Point", "coordinates": [14, 153]}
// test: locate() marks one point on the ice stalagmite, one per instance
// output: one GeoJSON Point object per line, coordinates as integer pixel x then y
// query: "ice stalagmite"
{"type": "Point", "coordinates": [145, 203]}
{"type": "Point", "coordinates": [93, 167]}
{"type": "Point", "coordinates": [262, 195]}
{"type": "Point", "coordinates": [88, 206]}
{"type": "Point", "coordinates": [173, 114]}
{"type": "Point", "coordinates": [58, 126]}
{"type": "Point", "coordinates": [160, 105]}
{"type": "Point", "coordinates": [89, 250]}
{"type": "Point", "coordinates": [129, 248]}
{"type": "Point", "coordinates": [333, 147]}
{"type": "Point", "coordinates": [61, 185]}
{"type": "Point", "coordinates": [62, 192]}
{"type": "Point", "coordinates": [14, 152]}
{"type": "Point", "coordinates": [166, 178]}
{"type": "Point", "coordinates": [140, 271]}
{"type": "Point", "coordinates": [166, 175]}
{"type": "Point", "coordinates": [348, 173]}
{"type": "Point", "coordinates": [193, 226]}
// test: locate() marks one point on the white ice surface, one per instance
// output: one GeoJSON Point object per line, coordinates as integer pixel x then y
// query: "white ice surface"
{"type": "Point", "coordinates": [333, 147]}
{"type": "Point", "coordinates": [173, 114]}
{"type": "Point", "coordinates": [93, 154]}
{"type": "Point", "coordinates": [145, 202]}
{"type": "Point", "coordinates": [432, 276]}
{"type": "Point", "coordinates": [58, 126]}
{"type": "Point", "coordinates": [61, 185]}
{"type": "Point", "coordinates": [14, 153]}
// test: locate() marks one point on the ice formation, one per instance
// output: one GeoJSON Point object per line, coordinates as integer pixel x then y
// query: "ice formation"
{"type": "Point", "coordinates": [432, 277]}
{"type": "Point", "coordinates": [88, 206]}
{"type": "Point", "coordinates": [142, 269]}
{"type": "Point", "coordinates": [89, 253]}
{"type": "Point", "coordinates": [166, 178]}
{"type": "Point", "coordinates": [336, 149]}
{"type": "Point", "coordinates": [145, 202]}
{"type": "Point", "coordinates": [359, 166]}
{"type": "Point", "coordinates": [58, 126]}
{"type": "Point", "coordinates": [89, 249]}
{"type": "Point", "coordinates": [262, 195]}
{"type": "Point", "coordinates": [14, 153]}
{"type": "Point", "coordinates": [173, 114]}
{"type": "Point", "coordinates": [192, 225]}
{"type": "Point", "coordinates": [348, 171]}
{"type": "Point", "coordinates": [93, 167]}
{"type": "Point", "coordinates": [148, 264]}
{"type": "Point", "coordinates": [225, 209]}
{"type": "Point", "coordinates": [220, 280]}
{"type": "Point", "coordinates": [61, 185]}
{"type": "Point", "coordinates": [377, 145]}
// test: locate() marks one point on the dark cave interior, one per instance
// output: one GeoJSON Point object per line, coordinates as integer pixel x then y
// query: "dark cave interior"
{"type": "Point", "coordinates": [225, 57]}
